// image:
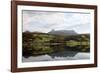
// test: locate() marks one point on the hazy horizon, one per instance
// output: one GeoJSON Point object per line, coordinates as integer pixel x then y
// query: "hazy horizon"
{"type": "Point", "coordinates": [43, 21]}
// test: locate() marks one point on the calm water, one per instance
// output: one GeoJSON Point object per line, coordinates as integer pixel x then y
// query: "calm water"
{"type": "Point", "coordinates": [66, 55]}
{"type": "Point", "coordinates": [61, 52]}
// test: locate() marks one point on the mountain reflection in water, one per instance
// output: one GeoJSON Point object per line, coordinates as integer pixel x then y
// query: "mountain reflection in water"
{"type": "Point", "coordinates": [48, 47]}
{"type": "Point", "coordinates": [66, 55]}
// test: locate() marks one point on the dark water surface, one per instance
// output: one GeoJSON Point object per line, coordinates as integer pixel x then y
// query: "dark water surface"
{"type": "Point", "coordinates": [62, 52]}
{"type": "Point", "coordinates": [66, 55]}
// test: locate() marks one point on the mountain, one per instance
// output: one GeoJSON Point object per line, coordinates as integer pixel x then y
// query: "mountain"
{"type": "Point", "coordinates": [62, 32]}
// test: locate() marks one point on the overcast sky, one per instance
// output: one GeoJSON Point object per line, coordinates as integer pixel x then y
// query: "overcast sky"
{"type": "Point", "coordinates": [46, 21]}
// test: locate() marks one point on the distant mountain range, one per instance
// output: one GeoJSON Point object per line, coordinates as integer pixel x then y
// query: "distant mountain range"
{"type": "Point", "coordinates": [56, 32]}
{"type": "Point", "coordinates": [62, 32]}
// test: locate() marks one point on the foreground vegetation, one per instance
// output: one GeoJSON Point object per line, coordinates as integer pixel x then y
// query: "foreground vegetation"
{"type": "Point", "coordinates": [42, 43]}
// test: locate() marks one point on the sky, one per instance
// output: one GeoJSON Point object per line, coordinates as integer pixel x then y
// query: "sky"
{"type": "Point", "coordinates": [45, 21]}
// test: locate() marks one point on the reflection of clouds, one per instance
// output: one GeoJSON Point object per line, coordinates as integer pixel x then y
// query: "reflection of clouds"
{"type": "Point", "coordinates": [46, 21]}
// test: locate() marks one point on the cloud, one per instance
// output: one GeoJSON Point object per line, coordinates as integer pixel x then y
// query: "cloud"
{"type": "Point", "coordinates": [46, 21]}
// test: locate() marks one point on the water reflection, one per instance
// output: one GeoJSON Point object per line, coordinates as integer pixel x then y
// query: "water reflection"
{"type": "Point", "coordinates": [43, 47]}
{"type": "Point", "coordinates": [54, 49]}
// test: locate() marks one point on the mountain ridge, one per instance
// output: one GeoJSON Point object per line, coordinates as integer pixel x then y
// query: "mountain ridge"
{"type": "Point", "coordinates": [62, 32]}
